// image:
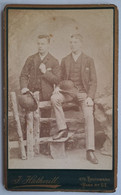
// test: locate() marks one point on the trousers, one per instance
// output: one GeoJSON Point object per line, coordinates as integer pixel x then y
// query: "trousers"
{"type": "Point", "coordinates": [58, 99]}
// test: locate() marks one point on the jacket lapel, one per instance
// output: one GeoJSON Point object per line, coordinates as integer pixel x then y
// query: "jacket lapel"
{"type": "Point", "coordinates": [37, 61]}
{"type": "Point", "coordinates": [68, 63]}
{"type": "Point", "coordinates": [82, 64]}
{"type": "Point", "coordinates": [46, 59]}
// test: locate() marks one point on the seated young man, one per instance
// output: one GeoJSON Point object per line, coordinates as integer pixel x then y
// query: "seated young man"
{"type": "Point", "coordinates": [78, 69]}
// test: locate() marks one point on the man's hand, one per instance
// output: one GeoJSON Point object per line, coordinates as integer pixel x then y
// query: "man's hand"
{"type": "Point", "coordinates": [42, 67]}
{"type": "Point", "coordinates": [89, 101]}
{"type": "Point", "coordinates": [56, 90]}
{"type": "Point", "coordinates": [24, 90]}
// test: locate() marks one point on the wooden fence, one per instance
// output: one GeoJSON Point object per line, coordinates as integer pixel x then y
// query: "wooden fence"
{"type": "Point", "coordinates": [34, 120]}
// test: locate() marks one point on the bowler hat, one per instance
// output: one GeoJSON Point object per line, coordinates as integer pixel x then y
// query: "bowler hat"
{"type": "Point", "coordinates": [27, 101]}
{"type": "Point", "coordinates": [67, 86]}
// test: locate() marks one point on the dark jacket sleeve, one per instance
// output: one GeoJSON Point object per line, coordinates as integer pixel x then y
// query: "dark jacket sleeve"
{"type": "Point", "coordinates": [93, 80]}
{"type": "Point", "coordinates": [24, 77]}
{"type": "Point", "coordinates": [53, 76]}
{"type": "Point", "coordinates": [63, 73]}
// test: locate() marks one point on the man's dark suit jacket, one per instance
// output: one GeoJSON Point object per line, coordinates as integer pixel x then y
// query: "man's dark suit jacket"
{"type": "Point", "coordinates": [87, 74]}
{"type": "Point", "coordinates": [32, 78]}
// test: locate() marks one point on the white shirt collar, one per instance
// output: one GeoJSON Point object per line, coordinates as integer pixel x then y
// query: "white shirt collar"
{"type": "Point", "coordinates": [76, 56]}
{"type": "Point", "coordinates": [43, 56]}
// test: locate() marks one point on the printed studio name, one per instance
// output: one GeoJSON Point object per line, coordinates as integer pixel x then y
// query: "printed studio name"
{"type": "Point", "coordinates": [35, 180]}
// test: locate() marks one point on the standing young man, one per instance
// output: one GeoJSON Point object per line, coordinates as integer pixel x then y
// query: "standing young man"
{"type": "Point", "coordinates": [78, 72]}
{"type": "Point", "coordinates": [40, 72]}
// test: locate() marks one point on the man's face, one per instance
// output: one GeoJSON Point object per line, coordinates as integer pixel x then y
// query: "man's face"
{"type": "Point", "coordinates": [43, 45]}
{"type": "Point", "coordinates": [75, 44]}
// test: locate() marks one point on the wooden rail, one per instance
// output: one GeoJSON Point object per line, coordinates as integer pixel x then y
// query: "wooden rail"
{"type": "Point", "coordinates": [15, 144]}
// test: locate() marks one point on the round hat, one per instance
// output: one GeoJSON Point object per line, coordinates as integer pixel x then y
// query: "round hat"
{"type": "Point", "coordinates": [27, 101]}
{"type": "Point", "coordinates": [67, 86]}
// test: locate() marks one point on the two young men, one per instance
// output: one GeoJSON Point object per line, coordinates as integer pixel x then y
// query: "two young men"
{"type": "Point", "coordinates": [77, 71]}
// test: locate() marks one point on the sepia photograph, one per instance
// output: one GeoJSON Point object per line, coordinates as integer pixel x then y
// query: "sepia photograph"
{"type": "Point", "coordinates": [60, 97]}
{"type": "Point", "coordinates": [60, 88]}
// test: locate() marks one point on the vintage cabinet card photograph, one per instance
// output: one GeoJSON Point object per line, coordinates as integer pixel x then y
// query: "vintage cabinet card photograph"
{"type": "Point", "coordinates": [60, 97]}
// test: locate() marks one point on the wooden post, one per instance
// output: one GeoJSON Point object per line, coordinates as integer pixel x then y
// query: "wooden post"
{"type": "Point", "coordinates": [36, 124]}
{"type": "Point", "coordinates": [30, 141]}
{"type": "Point", "coordinates": [19, 130]}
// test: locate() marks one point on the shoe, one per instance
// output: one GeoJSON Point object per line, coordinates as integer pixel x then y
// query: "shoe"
{"type": "Point", "coordinates": [61, 134]}
{"type": "Point", "coordinates": [91, 157]}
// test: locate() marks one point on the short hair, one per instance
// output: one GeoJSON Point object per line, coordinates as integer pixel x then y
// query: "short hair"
{"type": "Point", "coordinates": [77, 36]}
{"type": "Point", "coordinates": [44, 37]}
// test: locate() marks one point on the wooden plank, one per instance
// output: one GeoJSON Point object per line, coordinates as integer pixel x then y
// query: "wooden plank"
{"type": "Point", "coordinates": [67, 120]}
{"type": "Point", "coordinates": [44, 104]}
{"type": "Point", "coordinates": [47, 104]}
{"type": "Point", "coordinates": [30, 144]}
{"type": "Point", "coordinates": [36, 124]}
{"type": "Point", "coordinates": [53, 119]}
{"type": "Point", "coordinates": [19, 130]}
